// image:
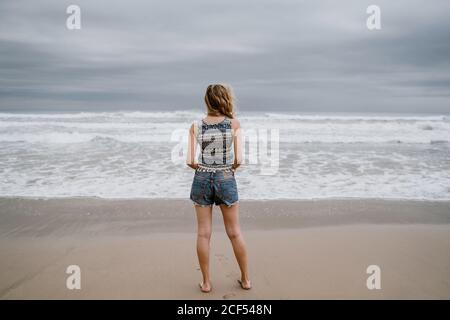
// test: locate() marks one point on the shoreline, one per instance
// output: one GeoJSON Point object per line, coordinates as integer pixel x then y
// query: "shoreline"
{"type": "Point", "coordinates": [43, 198]}
{"type": "Point", "coordinates": [94, 216]}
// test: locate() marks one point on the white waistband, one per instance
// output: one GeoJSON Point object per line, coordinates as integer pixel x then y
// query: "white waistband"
{"type": "Point", "coordinates": [202, 168]}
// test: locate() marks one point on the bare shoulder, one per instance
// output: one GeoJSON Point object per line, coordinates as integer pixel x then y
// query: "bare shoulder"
{"type": "Point", "coordinates": [235, 124]}
{"type": "Point", "coordinates": [192, 128]}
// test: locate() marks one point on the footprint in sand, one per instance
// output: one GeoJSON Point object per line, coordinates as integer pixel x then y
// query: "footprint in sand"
{"type": "Point", "coordinates": [221, 258]}
{"type": "Point", "coordinates": [228, 296]}
{"type": "Point", "coordinates": [232, 275]}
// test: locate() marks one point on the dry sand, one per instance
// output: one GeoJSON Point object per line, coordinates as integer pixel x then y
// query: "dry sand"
{"type": "Point", "coordinates": [145, 249]}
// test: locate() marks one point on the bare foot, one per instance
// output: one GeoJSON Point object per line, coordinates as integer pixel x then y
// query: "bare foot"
{"type": "Point", "coordinates": [205, 287]}
{"type": "Point", "coordinates": [245, 284]}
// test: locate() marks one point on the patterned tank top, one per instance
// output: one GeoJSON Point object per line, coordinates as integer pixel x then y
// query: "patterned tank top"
{"type": "Point", "coordinates": [216, 145]}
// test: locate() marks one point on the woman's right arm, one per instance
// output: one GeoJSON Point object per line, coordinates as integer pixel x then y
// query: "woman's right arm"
{"type": "Point", "coordinates": [237, 143]}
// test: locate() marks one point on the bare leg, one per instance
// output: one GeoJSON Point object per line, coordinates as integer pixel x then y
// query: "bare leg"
{"type": "Point", "coordinates": [233, 229]}
{"type": "Point", "coordinates": [204, 223]}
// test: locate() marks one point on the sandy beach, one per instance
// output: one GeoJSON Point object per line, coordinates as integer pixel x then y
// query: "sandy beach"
{"type": "Point", "coordinates": [145, 249]}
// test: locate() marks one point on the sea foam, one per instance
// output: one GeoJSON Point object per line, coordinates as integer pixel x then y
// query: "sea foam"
{"type": "Point", "coordinates": [129, 155]}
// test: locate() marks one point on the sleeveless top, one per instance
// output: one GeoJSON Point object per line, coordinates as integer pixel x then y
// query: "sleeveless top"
{"type": "Point", "coordinates": [216, 145]}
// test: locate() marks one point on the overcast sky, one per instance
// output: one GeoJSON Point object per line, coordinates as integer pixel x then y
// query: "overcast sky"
{"type": "Point", "coordinates": [292, 55]}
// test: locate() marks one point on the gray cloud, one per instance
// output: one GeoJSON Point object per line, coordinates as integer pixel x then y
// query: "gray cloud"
{"type": "Point", "coordinates": [287, 55]}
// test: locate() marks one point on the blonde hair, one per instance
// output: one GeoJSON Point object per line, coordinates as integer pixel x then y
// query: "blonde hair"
{"type": "Point", "coordinates": [219, 99]}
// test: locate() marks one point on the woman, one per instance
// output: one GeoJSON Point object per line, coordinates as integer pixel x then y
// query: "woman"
{"type": "Point", "coordinates": [219, 140]}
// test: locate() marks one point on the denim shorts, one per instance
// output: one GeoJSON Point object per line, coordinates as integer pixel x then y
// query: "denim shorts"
{"type": "Point", "coordinates": [210, 188]}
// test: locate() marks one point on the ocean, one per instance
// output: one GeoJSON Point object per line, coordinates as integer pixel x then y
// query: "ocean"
{"type": "Point", "coordinates": [307, 156]}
